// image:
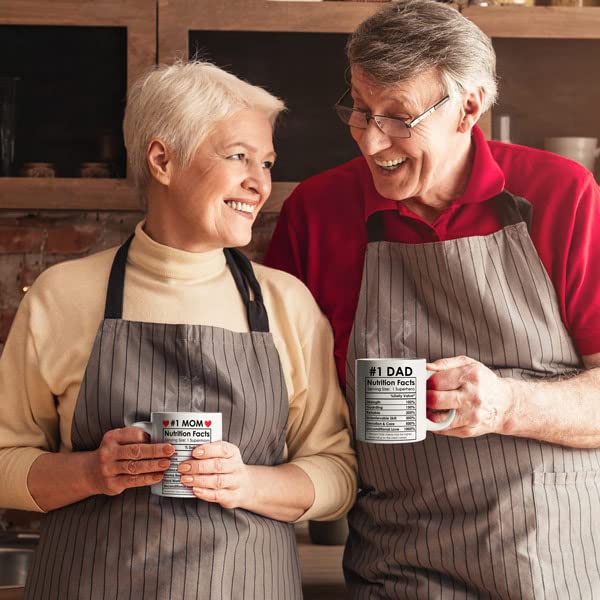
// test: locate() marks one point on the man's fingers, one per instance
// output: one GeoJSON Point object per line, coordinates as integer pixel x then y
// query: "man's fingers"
{"type": "Point", "coordinates": [443, 400]}
{"type": "Point", "coordinates": [449, 363]}
{"type": "Point", "coordinates": [448, 379]}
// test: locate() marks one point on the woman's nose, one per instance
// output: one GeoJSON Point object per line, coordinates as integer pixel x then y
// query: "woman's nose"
{"type": "Point", "coordinates": [258, 180]}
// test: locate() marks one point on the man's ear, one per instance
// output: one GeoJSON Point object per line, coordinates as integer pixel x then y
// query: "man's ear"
{"type": "Point", "coordinates": [160, 162]}
{"type": "Point", "coordinates": [472, 103]}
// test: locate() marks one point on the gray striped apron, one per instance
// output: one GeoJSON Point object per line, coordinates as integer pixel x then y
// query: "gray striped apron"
{"type": "Point", "coordinates": [138, 545]}
{"type": "Point", "coordinates": [487, 517]}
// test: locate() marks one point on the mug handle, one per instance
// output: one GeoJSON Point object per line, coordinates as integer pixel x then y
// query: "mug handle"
{"type": "Point", "coordinates": [145, 425]}
{"type": "Point", "coordinates": [431, 426]}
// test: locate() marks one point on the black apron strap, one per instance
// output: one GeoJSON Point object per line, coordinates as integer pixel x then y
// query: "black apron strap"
{"type": "Point", "coordinates": [241, 270]}
{"type": "Point", "coordinates": [375, 228]}
{"type": "Point", "coordinates": [243, 275]}
{"type": "Point", "coordinates": [512, 209]}
{"type": "Point", "coordinates": [116, 283]}
{"type": "Point", "coordinates": [509, 209]}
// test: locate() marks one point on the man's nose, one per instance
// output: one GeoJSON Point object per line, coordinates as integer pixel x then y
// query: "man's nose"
{"type": "Point", "coordinates": [373, 140]}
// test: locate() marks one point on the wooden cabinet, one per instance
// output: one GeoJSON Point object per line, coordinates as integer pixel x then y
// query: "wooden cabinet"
{"type": "Point", "coordinates": [547, 58]}
{"type": "Point", "coordinates": [94, 34]}
{"type": "Point", "coordinates": [547, 63]}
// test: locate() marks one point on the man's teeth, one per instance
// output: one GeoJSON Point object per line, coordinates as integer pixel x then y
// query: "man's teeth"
{"type": "Point", "coordinates": [240, 206]}
{"type": "Point", "coordinates": [390, 164]}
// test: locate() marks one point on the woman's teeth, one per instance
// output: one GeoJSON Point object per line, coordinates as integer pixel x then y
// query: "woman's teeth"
{"type": "Point", "coordinates": [390, 165]}
{"type": "Point", "coordinates": [248, 208]}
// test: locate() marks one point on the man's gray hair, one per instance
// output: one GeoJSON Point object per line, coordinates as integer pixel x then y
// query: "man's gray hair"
{"type": "Point", "coordinates": [179, 104]}
{"type": "Point", "coordinates": [409, 37]}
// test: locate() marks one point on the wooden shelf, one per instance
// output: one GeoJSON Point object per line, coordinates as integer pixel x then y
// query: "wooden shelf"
{"type": "Point", "coordinates": [21, 193]}
{"type": "Point", "coordinates": [563, 22]}
{"type": "Point", "coordinates": [138, 16]}
{"type": "Point", "coordinates": [177, 17]}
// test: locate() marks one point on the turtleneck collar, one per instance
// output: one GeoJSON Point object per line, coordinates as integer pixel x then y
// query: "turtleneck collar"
{"type": "Point", "coordinates": [171, 263]}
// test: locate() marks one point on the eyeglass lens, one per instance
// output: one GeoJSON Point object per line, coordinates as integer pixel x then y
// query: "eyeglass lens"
{"type": "Point", "coordinates": [358, 119]}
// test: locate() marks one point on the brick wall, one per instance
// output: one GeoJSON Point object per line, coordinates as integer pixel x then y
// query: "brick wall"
{"type": "Point", "coordinates": [32, 241]}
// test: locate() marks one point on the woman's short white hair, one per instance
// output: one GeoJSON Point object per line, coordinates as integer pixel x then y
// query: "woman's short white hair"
{"type": "Point", "coordinates": [409, 37]}
{"type": "Point", "coordinates": [180, 104]}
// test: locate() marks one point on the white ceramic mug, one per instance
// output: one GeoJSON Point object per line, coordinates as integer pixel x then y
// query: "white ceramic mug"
{"type": "Point", "coordinates": [391, 403]}
{"type": "Point", "coordinates": [584, 150]}
{"type": "Point", "coordinates": [185, 431]}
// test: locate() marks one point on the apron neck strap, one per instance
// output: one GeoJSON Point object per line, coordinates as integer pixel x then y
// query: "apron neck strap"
{"type": "Point", "coordinates": [510, 210]}
{"type": "Point", "coordinates": [240, 268]}
{"type": "Point", "coordinates": [375, 228]}
{"type": "Point", "coordinates": [243, 275]}
{"type": "Point", "coordinates": [113, 308]}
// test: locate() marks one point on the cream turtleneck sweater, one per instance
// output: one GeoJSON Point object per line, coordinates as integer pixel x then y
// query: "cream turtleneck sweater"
{"type": "Point", "coordinates": [47, 350]}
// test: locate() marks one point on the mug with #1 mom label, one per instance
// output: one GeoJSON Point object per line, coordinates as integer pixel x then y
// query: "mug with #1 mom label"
{"type": "Point", "coordinates": [184, 431]}
{"type": "Point", "coordinates": [391, 401]}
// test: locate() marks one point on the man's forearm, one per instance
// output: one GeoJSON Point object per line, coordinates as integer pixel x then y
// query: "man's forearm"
{"type": "Point", "coordinates": [565, 412]}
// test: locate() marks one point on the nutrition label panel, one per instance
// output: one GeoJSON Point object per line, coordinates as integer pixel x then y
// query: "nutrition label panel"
{"type": "Point", "coordinates": [171, 483]}
{"type": "Point", "coordinates": [390, 408]}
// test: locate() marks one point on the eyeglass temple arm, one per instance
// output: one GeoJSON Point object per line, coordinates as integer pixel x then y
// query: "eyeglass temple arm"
{"type": "Point", "coordinates": [418, 119]}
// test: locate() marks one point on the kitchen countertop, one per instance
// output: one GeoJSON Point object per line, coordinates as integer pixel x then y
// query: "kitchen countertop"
{"type": "Point", "coordinates": [321, 567]}
{"type": "Point", "coordinates": [11, 594]}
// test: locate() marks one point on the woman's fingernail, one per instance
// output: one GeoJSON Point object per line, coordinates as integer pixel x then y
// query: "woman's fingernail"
{"type": "Point", "coordinates": [198, 452]}
{"type": "Point", "coordinates": [164, 463]}
{"type": "Point", "coordinates": [185, 468]}
{"type": "Point", "coordinates": [187, 479]}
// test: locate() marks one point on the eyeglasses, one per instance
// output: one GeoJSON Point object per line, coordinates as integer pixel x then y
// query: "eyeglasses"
{"type": "Point", "coordinates": [392, 126]}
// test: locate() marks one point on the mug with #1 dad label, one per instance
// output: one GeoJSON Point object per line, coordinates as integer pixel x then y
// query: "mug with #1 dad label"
{"type": "Point", "coordinates": [184, 431]}
{"type": "Point", "coordinates": [391, 403]}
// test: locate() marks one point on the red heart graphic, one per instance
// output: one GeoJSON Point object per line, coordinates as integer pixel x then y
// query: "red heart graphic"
{"type": "Point", "coordinates": [207, 423]}
{"type": "Point", "coordinates": [165, 423]}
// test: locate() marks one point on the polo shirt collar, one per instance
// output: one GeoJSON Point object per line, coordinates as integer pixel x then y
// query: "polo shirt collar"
{"type": "Point", "coordinates": [485, 182]}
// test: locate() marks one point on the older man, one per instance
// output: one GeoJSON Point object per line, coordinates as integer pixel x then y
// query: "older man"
{"type": "Point", "coordinates": [479, 257]}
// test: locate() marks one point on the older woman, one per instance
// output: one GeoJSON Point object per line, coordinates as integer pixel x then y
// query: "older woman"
{"type": "Point", "coordinates": [482, 258]}
{"type": "Point", "coordinates": [173, 322]}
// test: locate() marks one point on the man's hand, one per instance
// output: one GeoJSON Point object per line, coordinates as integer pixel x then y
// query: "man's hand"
{"type": "Point", "coordinates": [483, 401]}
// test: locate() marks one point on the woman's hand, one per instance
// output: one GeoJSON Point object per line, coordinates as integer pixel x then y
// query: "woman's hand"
{"type": "Point", "coordinates": [217, 473]}
{"type": "Point", "coordinates": [125, 459]}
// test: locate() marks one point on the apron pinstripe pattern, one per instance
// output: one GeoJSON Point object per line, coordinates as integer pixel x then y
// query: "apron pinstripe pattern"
{"type": "Point", "coordinates": [488, 517]}
{"type": "Point", "coordinates": [140, 546]}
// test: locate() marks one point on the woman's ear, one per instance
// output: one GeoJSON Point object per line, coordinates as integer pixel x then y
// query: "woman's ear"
{"type": "Point", "coordinates": [472, 103]}
{"type": "Point", "coordinates": [160, 162]}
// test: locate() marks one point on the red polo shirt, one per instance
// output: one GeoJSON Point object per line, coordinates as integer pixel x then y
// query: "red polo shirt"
{"type": "Point", "coordinates": [321, 236]}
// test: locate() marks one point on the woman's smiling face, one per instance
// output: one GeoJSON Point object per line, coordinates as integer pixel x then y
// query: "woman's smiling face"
{"type": "Point", "coordinates": [212, 202]}
{"type": "Point", "coordinates": [227, 182]}
{"type": "Point", "coordinates": [411, 167]}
